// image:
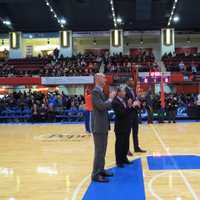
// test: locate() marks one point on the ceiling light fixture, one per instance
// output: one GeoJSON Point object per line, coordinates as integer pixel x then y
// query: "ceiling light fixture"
{"type": "Point", "coordinates": [113, 13]}
{"type": "Point", "coordinates": [119, 20]}
{"type": "Point", "coordinates": [61, 21]}
{"type": "Point", "coordinates": [175, 18]}
{"type": "Point", "coordinates": [141, 41]}
{"type": "Point", "coordinates": [6, 22]}
{"type": "Point", "coordinates": [94, 42]}
{"type": "Point", "coordinates": [188, 40]}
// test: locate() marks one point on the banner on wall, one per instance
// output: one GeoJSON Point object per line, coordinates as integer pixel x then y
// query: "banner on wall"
{"type": "Point", "coordinates": [121, 77]}
{"type": "Point", "coordinates": [140, 51]}
{"type": "Point", "coordinates": [190, 50]}
{"type": "Point", "coordinates": [154, 74]}
{"type": "Point", "coordinates": [20, 80]}
{"type": "Point", "coordinates": [70, 80]}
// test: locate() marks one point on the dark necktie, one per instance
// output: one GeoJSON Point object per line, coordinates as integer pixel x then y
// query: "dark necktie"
{"type": "Point", "coordinates": [122, 101]}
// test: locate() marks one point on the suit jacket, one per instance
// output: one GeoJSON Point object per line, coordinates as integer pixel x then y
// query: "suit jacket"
{"type": "Point", "coordinates": [130, 95]}
{"type": "Point", "coordinates": [149, 100]}
{"type": "Point", "coordinates": [100, 120]}
{"type": "Point", "coordinates": [122, 116]}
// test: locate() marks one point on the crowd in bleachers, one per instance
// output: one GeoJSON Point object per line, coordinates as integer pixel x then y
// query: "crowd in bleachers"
{"type": "Point", "coordinates": [74, 66]}
{"type": "Point", "coordinates": [37, 106]}
{"type": "Point", "coordinates": [187, 105]}
{"type": "Point", "coordinates": [89, 63]}
{"type": "Point", "coordinates": [182, 62]}
{"type": "Point", "coordinates": [124, 63]}
{"type": "Point", "coordinates": [56, 106]}
{"type": "Point", "coordinates": [81, 64]}
{"type": "Point", "coordinates": [188, 101]}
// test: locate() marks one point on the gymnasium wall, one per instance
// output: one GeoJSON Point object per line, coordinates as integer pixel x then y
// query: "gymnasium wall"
{"type": "Point", "coordinates": [80, 44]}
{"type": "Point", "coordinates": [39, 44]}
{"type": "Point", "coordinates": [102, 42]}
{"type": "Point", "coordinates": [5, 45]}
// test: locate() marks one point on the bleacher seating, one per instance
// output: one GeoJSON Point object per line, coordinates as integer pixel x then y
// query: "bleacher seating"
{"type": "Point", "coordinates": [85, 64]}
{"type": "Point", "coordinates": [172, 62]}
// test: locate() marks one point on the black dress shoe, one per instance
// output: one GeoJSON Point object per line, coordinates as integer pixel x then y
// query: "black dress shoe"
{"type": "Point", "coordinates": [127, 162]}
{"type": "Point", "coordinates": [120, 165]}
{"type": "Point", "coordinates": [100, 179]}
{"type": "Point", "coordinates": [140, 151]}
{"type": "Point", "coordinates": [107, 174]}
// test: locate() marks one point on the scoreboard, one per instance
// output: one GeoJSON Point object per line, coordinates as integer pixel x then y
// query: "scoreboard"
{"type": "Point", "coordinates": [154, 77]}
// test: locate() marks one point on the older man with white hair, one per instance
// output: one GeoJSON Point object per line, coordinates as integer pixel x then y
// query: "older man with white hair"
{"type": "Point", "coordinates": [100, 127]}
{"type": "Point", "coordinates": [198, 100]}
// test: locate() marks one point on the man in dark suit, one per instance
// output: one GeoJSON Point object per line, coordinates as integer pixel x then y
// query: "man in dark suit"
{"type": "Point", "coordinates": [131, 94]}
{"type": "Point", "coordinates": [100, 127]}
{"type": "Point", "coordinates": [122, 127]}
{"type": "Point", "coordinates": [171, 107]}
{"type": "Point", "coordinates": [149, 105]}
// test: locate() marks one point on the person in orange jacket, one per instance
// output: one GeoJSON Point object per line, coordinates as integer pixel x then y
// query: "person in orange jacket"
{"type": "Point", "coordinates": [88, 109]}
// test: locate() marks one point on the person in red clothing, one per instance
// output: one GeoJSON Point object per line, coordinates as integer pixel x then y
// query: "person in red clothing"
{"type": "Point", "coordinates": [88, 109]}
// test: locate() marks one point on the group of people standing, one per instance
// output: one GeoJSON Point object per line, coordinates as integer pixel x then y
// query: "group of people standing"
{"type": "Point", "coordinates": [124, 102]}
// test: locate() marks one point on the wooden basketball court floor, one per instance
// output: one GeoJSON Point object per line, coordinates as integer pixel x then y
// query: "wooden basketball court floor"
{"type": "Point", "coordinates": [54, 161]}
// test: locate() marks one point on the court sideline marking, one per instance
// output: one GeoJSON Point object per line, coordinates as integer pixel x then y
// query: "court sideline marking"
{"type": "Point", "coordinates": [188, 185]}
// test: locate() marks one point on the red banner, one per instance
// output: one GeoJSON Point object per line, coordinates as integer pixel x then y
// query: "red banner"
{"type": "Point", "coordinates": [138, 51]}
{"type": "Point", "coordinates": [192, 50]}
{"type": "Point", "coordinates": [177, 77]}
{"type": "Point", "coordinates": [20, 81]}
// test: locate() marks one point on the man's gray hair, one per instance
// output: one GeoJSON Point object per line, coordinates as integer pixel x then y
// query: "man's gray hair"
{"type": "Point", "coordinates": [98, 75]}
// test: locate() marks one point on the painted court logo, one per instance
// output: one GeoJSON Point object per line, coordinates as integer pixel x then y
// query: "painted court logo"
{"type": "Point", "coordinates": [61, 137]}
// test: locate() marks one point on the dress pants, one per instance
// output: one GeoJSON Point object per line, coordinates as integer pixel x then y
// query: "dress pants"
{"type": "Point", "coordinates": [135, 127]}
{"type": "Point", "coordinates": [172, 115]}
{"type": "Point", "coordinates": [121, 146]}
{"type": "Point", "coordinates": [149, 115]}
{"type": "Point", "coordinates": [100, 146]}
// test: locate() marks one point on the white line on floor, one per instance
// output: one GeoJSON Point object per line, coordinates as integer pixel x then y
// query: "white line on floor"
{"type": "Point", "coordinates": [187, 183]}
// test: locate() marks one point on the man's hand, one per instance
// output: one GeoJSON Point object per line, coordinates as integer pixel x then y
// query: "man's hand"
{"type": "Point", "coordinates": [136, 104]}
{"type": "Point", "coordinates": [130, 103]}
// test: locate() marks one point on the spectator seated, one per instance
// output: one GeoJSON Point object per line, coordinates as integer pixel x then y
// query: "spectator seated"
{"type": "Point", "coordinates": [37, 107]}
{"type": "Point", "coordinates": [79, 65]}
{"type": "Point", "coordinates": [182, 62]}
